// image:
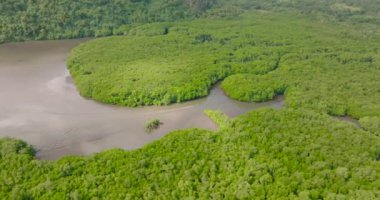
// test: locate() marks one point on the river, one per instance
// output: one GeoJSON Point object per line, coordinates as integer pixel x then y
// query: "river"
{"type": "Point", "coordinates": [39, 104]}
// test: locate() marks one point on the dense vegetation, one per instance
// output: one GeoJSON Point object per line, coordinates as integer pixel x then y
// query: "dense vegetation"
{"type": "Point", "coordinates": [269, 154]}
{"type": "Point", "coordinates": [371, 124]}
{"type": "Point", "coordinates": [42, 19]}
{"type": "Point", "coordinates": [325, 63]}
{"type": "Point", "coordinates": [362, 11]}
{"type": "Point", "coordinates": [301, 59]}
{"type": "Point", "coordinates": [219, 118]}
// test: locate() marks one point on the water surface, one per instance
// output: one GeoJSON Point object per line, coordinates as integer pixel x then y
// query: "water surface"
{"type": "Point", "coordinates": [39, 104]}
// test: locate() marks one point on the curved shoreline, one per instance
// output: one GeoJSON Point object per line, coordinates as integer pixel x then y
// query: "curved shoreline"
{"type": "Point", "coordinates": [43, 107]}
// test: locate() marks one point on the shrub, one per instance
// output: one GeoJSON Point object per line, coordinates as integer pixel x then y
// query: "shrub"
{"type": "Point", "coordinates": [219, 118]}
{"type": "Point", "coordinates": [152, 125]}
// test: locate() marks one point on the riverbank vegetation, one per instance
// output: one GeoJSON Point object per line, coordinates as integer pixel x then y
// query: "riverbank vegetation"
{"type": "Point", "coordinates": [218, 117]}
{"type": "Point", "coordinates": [268, 154]}
{"type": "Point", "coordinates": [324, 63]}
{"type": "Point", "coordinates": [325, 66]}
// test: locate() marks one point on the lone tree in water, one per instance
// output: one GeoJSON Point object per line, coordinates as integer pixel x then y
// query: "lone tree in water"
{"type": "Point", "coordinates": [152, 125]}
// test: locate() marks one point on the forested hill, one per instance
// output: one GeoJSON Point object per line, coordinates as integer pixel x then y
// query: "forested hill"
{"type": "Point", "coordinates": [354, 10]}
{"type": "Point", "coordinates": [46, 19]}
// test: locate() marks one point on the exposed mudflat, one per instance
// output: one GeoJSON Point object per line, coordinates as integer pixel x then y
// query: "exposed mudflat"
{"type": "Point", "coordinates": [39, 104]}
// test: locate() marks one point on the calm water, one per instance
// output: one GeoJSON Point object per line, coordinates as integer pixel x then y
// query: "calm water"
{"type": "Point", "coordinates": [39, 104]}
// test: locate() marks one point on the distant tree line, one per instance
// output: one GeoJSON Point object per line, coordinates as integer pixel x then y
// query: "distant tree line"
{"type": "Point", "coordinates": [45, 19]}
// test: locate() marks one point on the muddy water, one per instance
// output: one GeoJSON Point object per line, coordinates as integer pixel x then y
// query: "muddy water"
{"type": "Point", "coordinates": [350, 120]}
{"type": "Point", "coordinates": [39, 104]}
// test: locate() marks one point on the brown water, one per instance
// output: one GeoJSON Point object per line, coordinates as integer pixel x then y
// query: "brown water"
{"type": "Point", "coordinates": [39, 104]}
{"type": "Point", "coordinates": [350, 120]}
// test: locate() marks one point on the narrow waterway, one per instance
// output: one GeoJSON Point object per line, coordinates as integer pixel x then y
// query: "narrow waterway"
{"type": "Point", "coordinates": [39, 104]}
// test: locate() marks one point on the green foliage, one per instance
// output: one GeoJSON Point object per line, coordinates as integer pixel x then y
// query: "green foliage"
{"type": "Point", "coordinates": [41, 19]}
{"type": "Point", "coordinates": [10, 146]}
{"type": "Point", "coordinates": [199, 6]}
{"type": "Point", "coordinates": [116, 70]}
{"type": "Point", "coordinates": [254, 88]}
{"type": "Point", "coordinates": [306, 60]}
{"type": "Point", "coordinates": [364, 11]}
{"type": "Point", "coordinates": [371, 124]}
{"type": "Point", "coordinates": [203, 38]}
{"type": "Point", "coordinates": [322, 67]}
{"type": "Point", "coordinates": [224, 12]}
{"type": "Point", "coordinates": [152, 125]}
{"type": "Point", "coordinates": [182, 65]}
{"type": "Point", "coordinates": [220, 118]}
{"type": "Point", "coordinates": [269, 154]}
